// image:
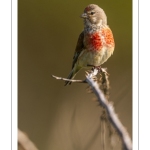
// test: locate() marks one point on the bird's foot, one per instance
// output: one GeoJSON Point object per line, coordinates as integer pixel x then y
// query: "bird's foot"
{"type": "Point", "coordinates": [99, 68]}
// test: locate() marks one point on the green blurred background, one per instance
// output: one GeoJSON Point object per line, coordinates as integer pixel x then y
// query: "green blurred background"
{"type": "Point", "coordinates": [65, 118]}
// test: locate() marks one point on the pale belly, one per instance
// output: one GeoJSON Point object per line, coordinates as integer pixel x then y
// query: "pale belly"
{"type": "Point", "coordinates": [94, 58]}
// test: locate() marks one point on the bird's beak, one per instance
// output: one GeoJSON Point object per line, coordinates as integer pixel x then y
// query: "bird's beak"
{"type": "Point", "coordinates": [84, 15]}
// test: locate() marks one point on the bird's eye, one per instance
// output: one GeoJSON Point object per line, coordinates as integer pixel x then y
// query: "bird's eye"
{"type": "Point", "coordinates": [92, 13]}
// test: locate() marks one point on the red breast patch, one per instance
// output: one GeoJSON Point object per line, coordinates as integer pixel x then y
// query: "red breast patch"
{"type": "Point", "coordinates": [108, 37]}
{"type": "Point", "coordinates": [96, 41]}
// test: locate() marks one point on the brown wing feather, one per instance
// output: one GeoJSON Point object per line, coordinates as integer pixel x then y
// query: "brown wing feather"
{"type": "Point", "coordinates": [79, 48]}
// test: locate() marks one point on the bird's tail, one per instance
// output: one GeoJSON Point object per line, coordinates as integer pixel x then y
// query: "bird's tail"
{"type": "Point", "coordinates": [71, 75]}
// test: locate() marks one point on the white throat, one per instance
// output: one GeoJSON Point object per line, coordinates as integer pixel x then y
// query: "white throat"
{"type": "Point", "coordinates": [90, 27]}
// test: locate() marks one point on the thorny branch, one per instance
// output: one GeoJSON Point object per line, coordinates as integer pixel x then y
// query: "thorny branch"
{"type": "Point", "coordinates": [64, 79]}
{"type": "Point", "coordinates": [92, 80]}
{"type": "Point", "coordinates": [111, 114]}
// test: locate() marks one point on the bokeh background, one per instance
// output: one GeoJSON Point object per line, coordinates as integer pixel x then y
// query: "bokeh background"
{"type": "Point", "coordinates": [65, 118]}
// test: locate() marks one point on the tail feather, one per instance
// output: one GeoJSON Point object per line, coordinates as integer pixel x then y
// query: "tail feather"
{"type": "Point", "coordinates": [71, 75]}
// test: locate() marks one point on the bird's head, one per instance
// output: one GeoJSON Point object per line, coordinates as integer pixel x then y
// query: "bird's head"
{"type": "Point", "coordinates": [94, 15]}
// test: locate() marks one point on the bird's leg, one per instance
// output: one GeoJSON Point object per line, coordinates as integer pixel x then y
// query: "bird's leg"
{"type": "Point", "coordinates": [99, 68]}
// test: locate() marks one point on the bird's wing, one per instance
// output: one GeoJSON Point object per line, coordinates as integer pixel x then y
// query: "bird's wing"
{"type": "Point", "coordinates": [79, 48]}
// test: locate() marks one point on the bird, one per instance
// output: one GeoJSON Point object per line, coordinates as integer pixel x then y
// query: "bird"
{"type": "Point", "coordinates": [95, 43]}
